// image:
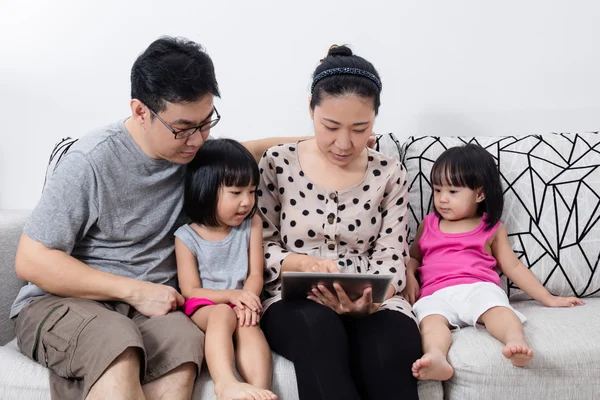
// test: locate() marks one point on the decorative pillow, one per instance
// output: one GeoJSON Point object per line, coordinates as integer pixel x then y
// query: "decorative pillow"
{"type": "Point", "coordinates": [60, 149]}
{"type": "Point", "coordinates": [552, 202]}
{"type": "Point", "coordinates": [388, 145]}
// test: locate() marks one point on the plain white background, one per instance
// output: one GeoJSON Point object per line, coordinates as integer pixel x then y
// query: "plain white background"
{"type": "Point", "coordinates": [456, 67]}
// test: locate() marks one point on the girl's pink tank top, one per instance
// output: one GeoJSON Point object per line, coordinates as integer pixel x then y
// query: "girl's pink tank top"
{"type": "Point", "coordinates": [451, 259]}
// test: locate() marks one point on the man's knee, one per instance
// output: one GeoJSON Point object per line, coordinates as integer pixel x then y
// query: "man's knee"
{"type": "Point", "coordinates": [174, 331]}
{"type": "Point", "coordinates": [131, 357]}
{"type": "Point", "coordinates": [186, 372]}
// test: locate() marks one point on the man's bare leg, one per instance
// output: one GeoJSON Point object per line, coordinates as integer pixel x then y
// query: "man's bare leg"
{"type": "Point", "coordinates": [177, 384]}
{"type": "Point", "coordinates": [121, 380]}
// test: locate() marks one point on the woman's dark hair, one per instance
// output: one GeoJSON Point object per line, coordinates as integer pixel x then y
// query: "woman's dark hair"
{"type": "Point", "coordinates": [219, 162]}
{"type": "Point", "coordinates": [474, 167]}
{"type": "Point", "coordinates": [174, 70]}
{"type": "Point", "coordinates": [343, 84]}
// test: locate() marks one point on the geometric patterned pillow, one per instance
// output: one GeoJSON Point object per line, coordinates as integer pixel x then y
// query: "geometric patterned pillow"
{"type": "Point", "coordinates": [60, 149]}
{"type": "Point", "coordinates": [551, 189]}
{"type": "Point", "coordinates": [388, 145]}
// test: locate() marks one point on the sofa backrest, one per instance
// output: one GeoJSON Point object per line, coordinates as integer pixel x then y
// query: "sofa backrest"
{"type": "Point", "coordinates": [552, 202]}
{"type": "Point", "coordinates": [11, 227]}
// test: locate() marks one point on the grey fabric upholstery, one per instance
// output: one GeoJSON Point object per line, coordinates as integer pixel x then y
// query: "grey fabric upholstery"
{"type": "Point", "coordinates": [11, 226]}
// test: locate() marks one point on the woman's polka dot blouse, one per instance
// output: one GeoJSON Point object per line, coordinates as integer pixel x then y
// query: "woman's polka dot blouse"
{"type": "Point", "coordinates": [363, 228]}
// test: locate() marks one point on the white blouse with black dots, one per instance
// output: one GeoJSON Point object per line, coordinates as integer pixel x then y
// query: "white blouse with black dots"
{"type": "Point", "coordinates": [363, 227]}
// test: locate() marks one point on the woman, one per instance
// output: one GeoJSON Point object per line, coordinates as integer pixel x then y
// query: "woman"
{"type": "Point", "coordinates": [331, 204]}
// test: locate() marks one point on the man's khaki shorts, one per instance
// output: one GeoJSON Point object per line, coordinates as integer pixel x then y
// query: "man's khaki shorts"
{"type": "Point", "coordinates": [78, 339]}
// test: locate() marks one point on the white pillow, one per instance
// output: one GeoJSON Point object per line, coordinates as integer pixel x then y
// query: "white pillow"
{"type": "Point", "coordinates": [551, 202]}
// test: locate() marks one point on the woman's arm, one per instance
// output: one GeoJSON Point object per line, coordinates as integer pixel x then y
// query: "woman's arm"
{"type": "Point", "coordinates": [389, 252]}
{"type": "Point", "coordinates": [274, 250]}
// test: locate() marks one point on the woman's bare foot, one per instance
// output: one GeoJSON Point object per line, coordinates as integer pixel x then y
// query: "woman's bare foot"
{"type": "Point", "coordinates": [518, 353]}
{"type": "Point", "coordinates": [432, 367]}
{"type": "Point", "coordinates": [235, 390]}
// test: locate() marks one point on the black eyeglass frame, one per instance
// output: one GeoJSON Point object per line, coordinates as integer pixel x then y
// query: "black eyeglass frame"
{"type": "Point", "coordinates": [186, 133]}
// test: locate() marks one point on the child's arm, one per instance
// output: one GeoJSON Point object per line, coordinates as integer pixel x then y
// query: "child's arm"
{"type": "Point", "coordinates": [411, 291]}
{"type": "Point", "coordinates": [514, 269]}
{"type": "Point", "coordinates": [254, 282]}
{"type": "Point", "coordinates": [191, 284]}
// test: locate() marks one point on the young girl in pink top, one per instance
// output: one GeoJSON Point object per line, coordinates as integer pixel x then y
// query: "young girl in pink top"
{"type": "Point", "coordinates": [455, 252]}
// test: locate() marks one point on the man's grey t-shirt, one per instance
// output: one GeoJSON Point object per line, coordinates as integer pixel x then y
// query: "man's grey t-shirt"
{"type": "Point", "coordinates": [111, 206]}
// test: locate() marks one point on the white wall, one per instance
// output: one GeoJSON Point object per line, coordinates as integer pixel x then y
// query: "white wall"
{"type": "Point", "coordinates": [448, 67]}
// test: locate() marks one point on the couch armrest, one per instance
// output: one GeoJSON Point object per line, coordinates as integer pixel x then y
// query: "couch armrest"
{"type": "Point", "coordinates": [11, 227]}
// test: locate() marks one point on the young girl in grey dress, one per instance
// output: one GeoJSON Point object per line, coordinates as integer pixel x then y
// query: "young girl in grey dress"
{"type": "Point", "coordinates": [220, 267]}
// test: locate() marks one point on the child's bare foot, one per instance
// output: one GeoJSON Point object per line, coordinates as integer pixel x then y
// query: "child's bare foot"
{"type": "Point", "coordinates": [518, 353]}
{"type": "Point", "coordinates": [235, 390]}
{"type": "Point", "coordinates": [432, 367]}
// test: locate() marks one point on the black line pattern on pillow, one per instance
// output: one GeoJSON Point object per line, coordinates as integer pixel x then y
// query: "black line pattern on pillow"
{"type": "Point", "coordinates": [552, 202]}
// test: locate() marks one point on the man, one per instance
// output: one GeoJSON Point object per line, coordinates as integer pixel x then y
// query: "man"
{"type": "Point", "coordinates": [101, 308]}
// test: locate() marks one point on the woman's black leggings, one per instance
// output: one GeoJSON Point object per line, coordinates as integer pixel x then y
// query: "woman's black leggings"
{"type": "Point", "coordinates": [346, 358]}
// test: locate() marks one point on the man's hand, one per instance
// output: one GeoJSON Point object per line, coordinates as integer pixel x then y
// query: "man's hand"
{"type": "Point", "coordinates": [320, 265]}
{"type": "Point", "coordinates": [372, 140]}
{"type": "Point", "coordinates": [245, 298]}
{"type": "Point", "coordinates": [152, 299]}
{"type": "Point", "coordinates": [411, 291]}
{"type": "Point", "coordinates": [341, 303]}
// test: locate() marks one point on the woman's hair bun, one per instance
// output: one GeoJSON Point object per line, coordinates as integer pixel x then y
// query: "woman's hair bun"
{"type": "Point", "coordinates": [337, 51]}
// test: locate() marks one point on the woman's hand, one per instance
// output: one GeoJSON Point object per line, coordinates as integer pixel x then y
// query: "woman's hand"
{"type": "Point", "coordinates": [411, 290]}
{"type": "Point", "coordinates": [245, 298]}
{"type": "Point", "coordinates": [314, 264]}
{"type": "Point", "coordinates": [341, 303]}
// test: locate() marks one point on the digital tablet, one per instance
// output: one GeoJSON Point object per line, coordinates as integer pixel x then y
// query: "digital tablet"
{"type": "Point", "coordinates": [298, 285]}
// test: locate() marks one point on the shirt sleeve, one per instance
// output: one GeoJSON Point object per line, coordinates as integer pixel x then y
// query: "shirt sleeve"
{"type": "Point", "coordinates": [389, 252]}
{"type": "Point", "coordinates": [68, 206]}
{"type": "Point", "coordinates": [270, 208]}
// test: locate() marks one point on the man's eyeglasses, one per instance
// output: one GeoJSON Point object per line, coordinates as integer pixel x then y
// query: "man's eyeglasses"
{"type": "Point", "coordinates": [185, 133]}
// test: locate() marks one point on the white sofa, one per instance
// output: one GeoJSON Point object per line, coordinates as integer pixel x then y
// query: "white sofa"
{"type": "Point", "coordinates": [566, 341]}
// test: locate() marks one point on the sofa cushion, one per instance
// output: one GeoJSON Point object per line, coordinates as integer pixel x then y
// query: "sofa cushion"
{"type": "Point", "coordinates": [552, 193]}
{"type": "Point", "coordinates": [565, 364]}
{"type": "Point", "coordinates": [11, 227]}
{"type": "Point", "coordinates": [23, 379]}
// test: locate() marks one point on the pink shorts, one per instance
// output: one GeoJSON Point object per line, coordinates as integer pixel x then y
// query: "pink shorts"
{"type": "Point", "coordinates": [193, 304]}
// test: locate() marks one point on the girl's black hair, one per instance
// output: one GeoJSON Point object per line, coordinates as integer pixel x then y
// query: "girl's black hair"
{"type": "Point", "coordinates": [219, 162]}
{"type": "Point", "coordinates": [474, 167]}
{"type": "Point", "coordinates": [339, 85]}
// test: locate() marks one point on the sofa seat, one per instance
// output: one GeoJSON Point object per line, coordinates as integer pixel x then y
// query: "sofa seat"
{"type": "Point", "coordinates": [566, 364]}
{"type": "Point", "coordinates": [23, 379]}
